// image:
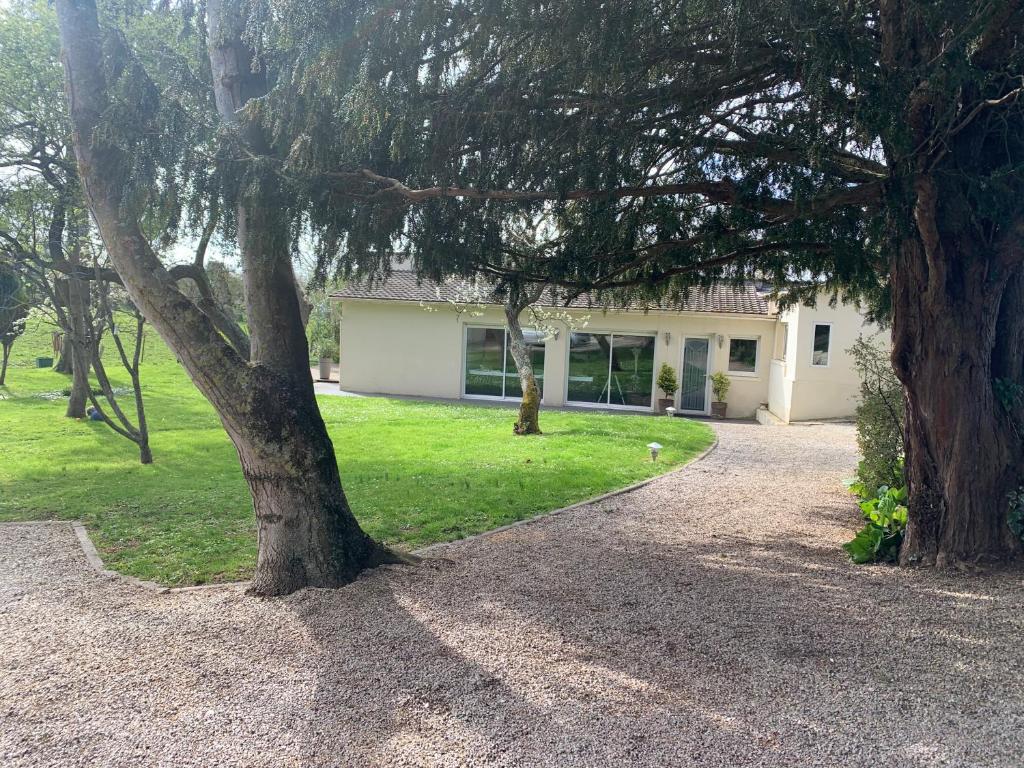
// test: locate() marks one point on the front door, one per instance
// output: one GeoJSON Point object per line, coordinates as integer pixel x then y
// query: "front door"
{"type": "Point", "coordinates": [693, 392]}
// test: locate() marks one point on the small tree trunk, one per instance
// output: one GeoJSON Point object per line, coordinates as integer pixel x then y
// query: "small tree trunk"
{"type": "Point", "coordinates": [3, 369]}
{"type": "Point", "coordinates": [77, 336]}
{"type": "Point", "coordinates": [145, 454]}
{"type": "Point", "coordinates": [528, 422]}
{"type": "Point", "coordinates": [64, 362]}
{"type": "Point", "coordinates": [79, 383]}
{"type": "Point", "coordinates": [954, 325]}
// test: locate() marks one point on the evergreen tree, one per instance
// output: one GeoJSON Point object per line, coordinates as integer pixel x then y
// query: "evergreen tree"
{"type": "Point", "coordinates": [870, 148]}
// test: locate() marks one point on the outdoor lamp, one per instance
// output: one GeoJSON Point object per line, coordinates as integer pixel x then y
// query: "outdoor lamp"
{"type": "Point", "coordinates": [668, 337]}
{"type": "Point", "coordinates": [655, 447]}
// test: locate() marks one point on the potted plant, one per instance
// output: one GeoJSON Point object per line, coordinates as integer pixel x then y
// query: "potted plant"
{"type": "Point", "coordinates": [720, 387]}
{"type": "Point", "coordinates": [667, 383]}
{"type": "Point", "coordinates": [323, 331]}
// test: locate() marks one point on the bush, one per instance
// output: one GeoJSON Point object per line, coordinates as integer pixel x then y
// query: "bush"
{"type": "Point", "coordinates": [323, 328]}
{"type": "Point", "coordinates": [880, 540]}
{"type": "Point", "coordinates": [1015, 515]}
{"type": "Point", "coordinates": [720, 386]}
{"type": "Point", "coordinates": [880, 418]}
{"type": "Point", "coordinates": [667, 380]}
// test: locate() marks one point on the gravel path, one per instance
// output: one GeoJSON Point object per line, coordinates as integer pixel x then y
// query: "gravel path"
{"type": "Point", "coordinates": [707, 619]}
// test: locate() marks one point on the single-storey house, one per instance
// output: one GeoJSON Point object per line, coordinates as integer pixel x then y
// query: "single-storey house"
{"type": "Point", "coordinates": [403, 336]}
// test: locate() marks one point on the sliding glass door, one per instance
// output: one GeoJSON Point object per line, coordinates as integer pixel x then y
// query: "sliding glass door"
{"type": "Point", "coordinates": [611, 369]}
{"type": "Point", "coordinates": [490, 370]}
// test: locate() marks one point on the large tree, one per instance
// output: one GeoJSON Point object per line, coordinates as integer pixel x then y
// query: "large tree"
{"type": "Point", "coordinates": [124, 129]}
{"type": "Point", "coordinates": [873, 148]}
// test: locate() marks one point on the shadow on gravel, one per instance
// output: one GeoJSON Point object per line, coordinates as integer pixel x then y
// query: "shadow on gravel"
{"type": "Point", "coordinates": [747, 650]}
{"type": "Point", "coordinates": [389, 690]}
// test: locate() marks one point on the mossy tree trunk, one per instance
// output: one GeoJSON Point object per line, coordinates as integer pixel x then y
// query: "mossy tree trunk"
{"type": "Point", "coordinates": [516, 302]}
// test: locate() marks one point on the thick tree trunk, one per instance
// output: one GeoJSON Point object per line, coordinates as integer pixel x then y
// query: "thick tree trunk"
{"type": "Point", "coordinates": [307, 534]}
{"type": "Point", "coordinates": [957, 304]}
{"type": "Point", "coordinates": [528, 422]}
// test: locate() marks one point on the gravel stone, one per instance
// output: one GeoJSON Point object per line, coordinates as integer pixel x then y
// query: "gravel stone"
{"type": "Point", "coordinates": [706, 619]}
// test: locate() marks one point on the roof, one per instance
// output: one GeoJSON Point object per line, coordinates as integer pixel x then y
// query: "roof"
{"type": "Point", "coordinates": [402, 285]}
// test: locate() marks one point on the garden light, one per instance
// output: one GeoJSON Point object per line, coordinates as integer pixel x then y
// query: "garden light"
{"type": "Point", "coordinates": [655, 447]}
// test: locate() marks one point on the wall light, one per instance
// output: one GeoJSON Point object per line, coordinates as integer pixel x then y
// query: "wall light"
{"type": "Point", "coordinates": [721, 340]}
{"type": "Point", "coordinates": [668, 338]}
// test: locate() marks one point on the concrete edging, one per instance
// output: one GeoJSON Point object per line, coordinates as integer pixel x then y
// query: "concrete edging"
{"type": "Point", "coordinates": [95, 562]}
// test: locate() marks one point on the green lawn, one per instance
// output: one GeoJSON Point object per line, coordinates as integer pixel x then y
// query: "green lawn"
{"type": "Point", "coordinates": [415, 472]}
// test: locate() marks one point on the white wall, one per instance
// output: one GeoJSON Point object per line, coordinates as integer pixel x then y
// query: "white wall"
{"type": "Point", "coordinates": [400, 348]}
{"type": "Point", "coordinates": [801, 391]}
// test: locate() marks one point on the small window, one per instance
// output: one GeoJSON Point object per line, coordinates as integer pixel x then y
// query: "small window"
{"type": "Point", "coordinates": [785, 342]}
{"type": "Point", "coordinates": [742, 355]}
{"type": "Point", "coordinates": [822, 345]}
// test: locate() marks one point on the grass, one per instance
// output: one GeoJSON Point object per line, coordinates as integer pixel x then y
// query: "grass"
{"type": "Point", "coordinates": [415, 473]}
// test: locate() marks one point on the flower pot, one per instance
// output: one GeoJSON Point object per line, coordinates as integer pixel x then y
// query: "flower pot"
{"type": "Point", "coordinates": [664, 402]}
{"type": "Point", "coordinates": [325, 368]}
{"type": "Point", "coordinates": [718, 410]}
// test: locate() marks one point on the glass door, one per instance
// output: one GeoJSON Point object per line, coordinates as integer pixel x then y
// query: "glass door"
{"type": "Point", "coordinates": [693, 391]}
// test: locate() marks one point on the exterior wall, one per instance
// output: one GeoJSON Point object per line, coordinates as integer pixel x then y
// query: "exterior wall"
{"type": "Point", "coordinates": [400, 348]}
{"type": "Point", "coordinates": [800, 391]}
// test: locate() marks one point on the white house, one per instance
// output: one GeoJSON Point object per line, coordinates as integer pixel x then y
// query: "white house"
{"type": "Point", "coordinates": [405, 337]}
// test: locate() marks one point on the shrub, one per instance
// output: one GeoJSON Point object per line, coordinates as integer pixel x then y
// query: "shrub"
{"type": "Point", "coordinates": [880, 540]}
{"type": "Point", "coordinates": [880, 417]}
{"type": "Point", "coordinates": [323, 327]}
{"type": "Point", "coordinates": [1015, 515]}
{"type": "Point", "coordinates": [667, 380]}
{"type": "Point", "coordinates": [720, 386]}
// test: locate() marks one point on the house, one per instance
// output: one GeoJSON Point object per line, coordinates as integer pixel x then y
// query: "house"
{"type": "Point", "coordinates": [403, 336]}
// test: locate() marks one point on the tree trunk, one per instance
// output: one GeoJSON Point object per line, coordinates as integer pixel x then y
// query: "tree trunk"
{"type": "Point", "coordinates": [528, 422]}
{"type": "Point", "coordinates": [145, 452]}
{"type": "Point", "coordinates": [957, 304]}
{"type": "Point", "coordinates": [77, 337]}
{"type": "Point", "coordinates": [307, 533]}
{"type": "Point", "coordinates": [64, 363]}
{"type": "Point", "coordinates": [3, 369]}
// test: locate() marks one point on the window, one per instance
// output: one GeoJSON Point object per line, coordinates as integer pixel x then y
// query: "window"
{"type": "Point", "coordinates": [490, 369]}
{"type": "Point", "coordinates": [743, 355]}
{"type": "Point", "coordinates": [611, 369]}
{"type": "Point", "coordinates": [822, 344]}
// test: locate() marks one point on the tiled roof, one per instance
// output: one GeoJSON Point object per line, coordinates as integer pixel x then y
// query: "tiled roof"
{"type": "Point", "coordinates": [406, 286]}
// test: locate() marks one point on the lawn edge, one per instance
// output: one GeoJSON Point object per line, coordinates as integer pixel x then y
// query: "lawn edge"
{"type": "Point", "coordinates": [544, 515]}
{"type": "Point", "coordinates": [95, 562]}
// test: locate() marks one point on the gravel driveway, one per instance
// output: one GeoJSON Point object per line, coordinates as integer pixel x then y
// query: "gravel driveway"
{"type": "Point", "coordinates": [707, 619]}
